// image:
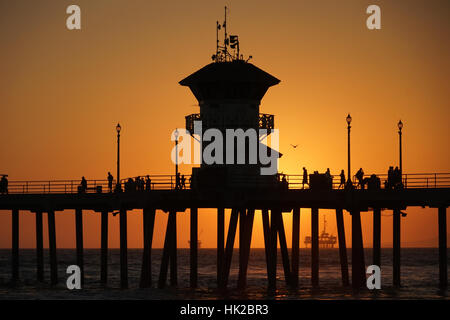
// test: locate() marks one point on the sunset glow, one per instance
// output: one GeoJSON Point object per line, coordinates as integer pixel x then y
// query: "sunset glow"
{"type": "Point", "coordinates": [62, 93]}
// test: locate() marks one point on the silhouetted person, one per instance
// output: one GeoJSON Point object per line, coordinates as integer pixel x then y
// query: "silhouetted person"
{"type": "Point", "coordinates": [342, 175]}
{"type": "Point", "coordinates": [4, 185]}
{"type": "Point", "coordinates": [397, 177]}
{"type": "Point", "coordinates": [83, 184]}
{"type": "Point", "coordinates": [329, 178]}
{"type": "Point", "coordinates": [360, 176]}
{"type": "Point", "coordinates": [177, 181]}
{"type": "Point", "coordinates": [183, 182]}
{"type": "Point", "coordinates": [130, 185]}
{"type": "Point", "coordinates": [110, 181]}
{"type": "Point", "coordinates": [305, 177]}
{"type": "Point", "coordinates": [373, 183]}
{"type": "Point", "coordinates": [390, 179]}
{"type": "Point", "coordinates": [138, 184]}
{"type": "Point", "coordinates": [148, 183]}
{"type": "Point", "coordinates": [284, 183]}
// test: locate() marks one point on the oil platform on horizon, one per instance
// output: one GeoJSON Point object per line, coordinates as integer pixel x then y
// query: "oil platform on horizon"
{"type": "Point", "coordinates": [326, 240]}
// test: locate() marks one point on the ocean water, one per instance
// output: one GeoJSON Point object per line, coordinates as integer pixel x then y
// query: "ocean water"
{"type": "Point", "coordinates": [419, 277]}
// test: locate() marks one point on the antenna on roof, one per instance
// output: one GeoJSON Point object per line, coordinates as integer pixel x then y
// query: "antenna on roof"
{"type": "Point", "coordinates": [225, 39]}
{"type": "Point", "coordinates": [222, 54]}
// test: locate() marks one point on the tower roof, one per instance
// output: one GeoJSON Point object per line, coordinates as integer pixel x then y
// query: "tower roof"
{"type": "Point", "coordinates": [236, 71]}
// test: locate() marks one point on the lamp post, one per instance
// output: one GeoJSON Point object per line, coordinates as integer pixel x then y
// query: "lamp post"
{"type": "Point", "coordinates": [400, 127]}
{"type": "Point", "coordinates": [176, 158]}
{"type": "Point", "coordinates": [118, 128]}
{"type": "Point", "coordinates": [349, 120]}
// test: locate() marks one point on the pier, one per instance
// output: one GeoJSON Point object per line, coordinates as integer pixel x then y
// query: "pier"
{"type": "Point", "coordinates": [54, 197]}
{"type": "Point", "coordinates": [229, 91]}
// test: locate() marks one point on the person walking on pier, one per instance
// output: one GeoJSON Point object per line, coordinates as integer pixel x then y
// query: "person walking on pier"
{"type": "Point", "coordinates": [183, 182]}
{"type": "Point", "coordinates": [360, 176]}
{"type": "Point", "coordinates": [4, 185]}
{"type": "Point", "coordinates": [83, 184]}
{"type": "Point", "coordinates": [342, 184]}
{"type": "Point", "coordinates": [305, 177]}
{"type": "Point", "coordinates": [148, 183]}
{"type": "Point", "coordinates": [110, 181]}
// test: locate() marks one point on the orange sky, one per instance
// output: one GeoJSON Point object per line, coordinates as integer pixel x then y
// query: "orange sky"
{"type": "Point", "coordinates": [62, 93]}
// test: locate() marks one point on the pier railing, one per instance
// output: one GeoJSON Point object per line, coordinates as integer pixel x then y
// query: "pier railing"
{"type": "Point", "coordinates": [168, 182]}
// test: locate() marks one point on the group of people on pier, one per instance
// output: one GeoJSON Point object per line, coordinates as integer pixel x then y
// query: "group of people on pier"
{"type": "Point", "coordinates": [138, 184]}
{"type": "Point", "coordinates": [372, 182]}
{"type": "Point", "coordinates": [394, 180]}
{"type": "Point", "coordinates": [180, 181]}
{"type": "Point", "coordinates": [328, 178]}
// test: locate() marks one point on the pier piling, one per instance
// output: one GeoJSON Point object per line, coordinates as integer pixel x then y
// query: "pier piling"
{"type": "Point", "coordinates": [273, 248]}
{"type": "Point", "coordinates": [165, 255]}
{"type": "Point", "coordinates": [148, 217]}
{"type": "Point", "coordinates": [173, 250]}
{"type": "Point", "coordinates": [245, 237]}
{"type": "Point", "coordinates": [314, 247]}
{"type": "Point", "coordinates": [442, 220]}
{"type": "Point", "coordinates": [39, 247]}
{"type": "Point", "coordinates": [123, 249]}
{"type": "Point", "coordinates": [194, 248]}
{"type": "Point", "coordinates": [220, 243]}
{"type": "Point", "coordinates": [169, 253]}
{"type": "Point", "coordinates": [52, 247]}
{"type": "Point", "coordinates": [267, 245]}
{"type": "Point", "coordinates": [295, 245]}
{"type": "Point", "coordinates": [79, 241]}
{"type": "Point", "coordinates": [229, 247]}
{"type": "Point", "coordinates": [104, 248]}
{"type": "Point", "coordinates": [358, 265]}
{"type": "Point", "coordinates": [283, 248]}
{"type": "Point", "coordinates": [15, 244]}
{"type": "Point", "coordinates": [342, 247]}
{"type": "Point", "coordinates": [377, 237]}
{"type": "Point", "coordinates": [396, 248]}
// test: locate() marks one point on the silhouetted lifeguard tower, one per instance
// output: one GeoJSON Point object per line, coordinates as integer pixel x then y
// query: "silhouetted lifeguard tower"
{"type": "Point", "coordinates": [229, 92]}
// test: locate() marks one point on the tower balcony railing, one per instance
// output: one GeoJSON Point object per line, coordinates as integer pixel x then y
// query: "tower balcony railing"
{"type": "Point", "coordinates": [265, 121]}
{"type": "Point", "coordinates": [190, 121]}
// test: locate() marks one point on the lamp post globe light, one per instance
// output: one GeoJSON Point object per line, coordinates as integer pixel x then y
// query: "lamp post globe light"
{"type": "Point", "coordinates": [349, 120]}
{"type": "Point", "coordinates": [400, 127]}
{"type": "Point", "coordinates": [118, 129]}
